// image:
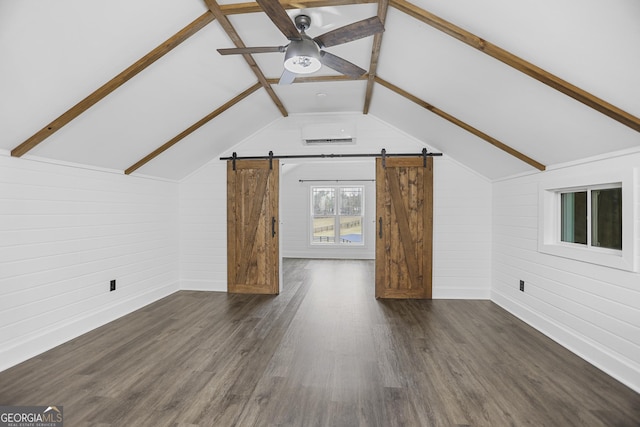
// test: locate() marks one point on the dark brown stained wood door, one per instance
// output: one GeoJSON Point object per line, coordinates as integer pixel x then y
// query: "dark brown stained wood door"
{"type": "Point", "coordinates": [404, 241]}
{"type": "Point", "coordinates": [252, 227]}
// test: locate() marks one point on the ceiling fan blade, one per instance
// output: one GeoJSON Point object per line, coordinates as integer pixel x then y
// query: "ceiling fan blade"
{"type": "Point", "coordinates": [278, 15]}
{"type": "Point", "coordinates": [357, 30]}
{"type": "Point", "coordinates": [287, 77]}
{"type": "Point", "coordinates": [240, 50]}
{"type": "Point", "coordinates": [341, 65]}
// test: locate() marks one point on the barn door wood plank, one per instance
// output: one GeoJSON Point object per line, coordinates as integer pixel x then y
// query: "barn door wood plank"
{"type": "Point", "coordinates": [255, 210]}
{"type": "Point", "coordinates": [402, 219]}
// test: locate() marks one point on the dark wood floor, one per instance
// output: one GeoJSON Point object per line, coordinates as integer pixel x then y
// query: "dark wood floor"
{"type": "Point", "coordinates": [323, 353]}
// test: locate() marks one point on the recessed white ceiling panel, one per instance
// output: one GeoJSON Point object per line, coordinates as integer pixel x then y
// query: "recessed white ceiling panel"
{"type": "Point", "coordinates": [208, 142]}
{"type": "Point", "coordinates": [325, 97]}
{"type": "Point", "coordinates": [56, 53]}
{"type": "Point", "coordinates": [162, 101]}
{"type": "Point", "coordinates": [444, 136]}
{"type": "Point", "coordinates": [592, 44]}
{"type": "Point", "coordinates": [495, 98]}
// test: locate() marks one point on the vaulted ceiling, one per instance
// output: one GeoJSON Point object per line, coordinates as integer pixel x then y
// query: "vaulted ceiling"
{"type": "Point", "coordinates": [504, 87]}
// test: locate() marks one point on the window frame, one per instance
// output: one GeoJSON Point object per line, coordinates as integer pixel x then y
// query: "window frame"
{"type": "Point", "coordinates": [550, 220]}
{"type": "Point", "coordinates": [588, 190]}
{"type": "Point", "coordinates": [337, 241]}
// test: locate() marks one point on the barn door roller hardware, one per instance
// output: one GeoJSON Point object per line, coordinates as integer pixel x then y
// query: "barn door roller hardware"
{"type": "Point", "coordinates": [424, 154]}
{"type": "Point", "coordinates": [383, 154]}
{"type": "Point", "coordinates": [235, 157]}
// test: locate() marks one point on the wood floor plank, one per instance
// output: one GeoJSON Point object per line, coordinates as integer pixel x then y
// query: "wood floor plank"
{"type": "Point", "coordinates": [324, 352]}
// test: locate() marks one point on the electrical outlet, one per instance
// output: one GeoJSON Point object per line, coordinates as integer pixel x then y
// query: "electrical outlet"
{"type": "Point", "coordinates": [112, 286]}
{"type": "Point", "coordinates": [522, 285]}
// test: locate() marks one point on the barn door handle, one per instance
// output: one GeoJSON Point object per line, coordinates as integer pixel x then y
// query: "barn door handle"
{"type": "Point", "coordinates": [273, 226]}
{"type": "Point", "coordinates": [380, 229]}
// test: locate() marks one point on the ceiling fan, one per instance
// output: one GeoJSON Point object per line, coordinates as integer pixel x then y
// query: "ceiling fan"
{"type": "Point", "coordinates": [303, 54]}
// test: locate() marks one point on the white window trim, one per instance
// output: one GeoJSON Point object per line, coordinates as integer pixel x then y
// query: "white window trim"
{"type": "Point", "coordinates": [549, 220]}
{"type": "Point", "coordinates": [310, 217]}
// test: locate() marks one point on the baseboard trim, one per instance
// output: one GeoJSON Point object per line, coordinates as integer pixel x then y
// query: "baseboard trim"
{"type": "Point", "coordinates": [49, 339]}
{"type": "Point", "coordinates": [599, 357]}
{"type": "Point", "coordinates": [461, 293]}
{"type": "Point", "coordinates": [203, 285]}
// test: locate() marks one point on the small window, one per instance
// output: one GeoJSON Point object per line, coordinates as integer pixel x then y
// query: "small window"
{"type": "Point", "coordinates": [589, 217]}
{"type": "Point", "coordinates": [337, 215]}
{"type": "Point", "coordinates": [592, 217]}
{"type": "Point", "coordinates": [606, 218]}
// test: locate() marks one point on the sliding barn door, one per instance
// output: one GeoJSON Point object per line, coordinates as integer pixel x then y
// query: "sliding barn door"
{"type": "Point", "coordinates": [252, 227]}
{"type": "Point", "coordinates": [404, 199]}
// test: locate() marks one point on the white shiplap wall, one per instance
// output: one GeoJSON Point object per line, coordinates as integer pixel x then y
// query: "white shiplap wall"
{"type": "Point", "coordinates": [461, 232]}
{"type": "Point", "coordinates": [462, 208]}
{"type": "Point", "coordinates": [203, 229]}
{"type": "Point", "coordinates": [591, 309]}
{"type": "Point", "coordinates": [65, 232]}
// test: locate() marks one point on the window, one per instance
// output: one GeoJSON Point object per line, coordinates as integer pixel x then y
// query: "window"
{"type": "Point", "coordinates": [337, 215]}
{"type": "Point", "coordinates": [589, 218]}
{"type": "Point", "coordinates": [592, 217]}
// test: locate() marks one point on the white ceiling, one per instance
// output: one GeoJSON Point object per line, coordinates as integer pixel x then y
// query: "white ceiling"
{"type": "Point", "coordinates": [54, 54]}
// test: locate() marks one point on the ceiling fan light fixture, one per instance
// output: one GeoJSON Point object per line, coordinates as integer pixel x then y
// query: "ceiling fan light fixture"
{"type": "Point", "coordinates": [303, 56]}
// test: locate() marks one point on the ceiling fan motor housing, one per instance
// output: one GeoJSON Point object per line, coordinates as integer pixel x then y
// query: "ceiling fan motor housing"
{"type": "Point", "coordinates": [302, 56]}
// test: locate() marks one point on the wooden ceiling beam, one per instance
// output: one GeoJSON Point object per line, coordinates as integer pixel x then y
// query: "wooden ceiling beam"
{"type": "Point", "coordinates": [463, 125]}
{"type": "Point", "coordinates": [113, 84]}
{"type": "Point", "coordinates": [519, 64]}
{"type": "Point", "coordinates": [173, 141]}
{"type": "Point", "coordinates": [253, 7]}
{"type": "Point", "coordinates": [214, 7]}
{"type": "Point", "coordinates": [383, 6]}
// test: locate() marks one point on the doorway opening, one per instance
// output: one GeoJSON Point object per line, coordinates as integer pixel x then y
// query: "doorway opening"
{"type": "Point", "coordinates": [323, 221]}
